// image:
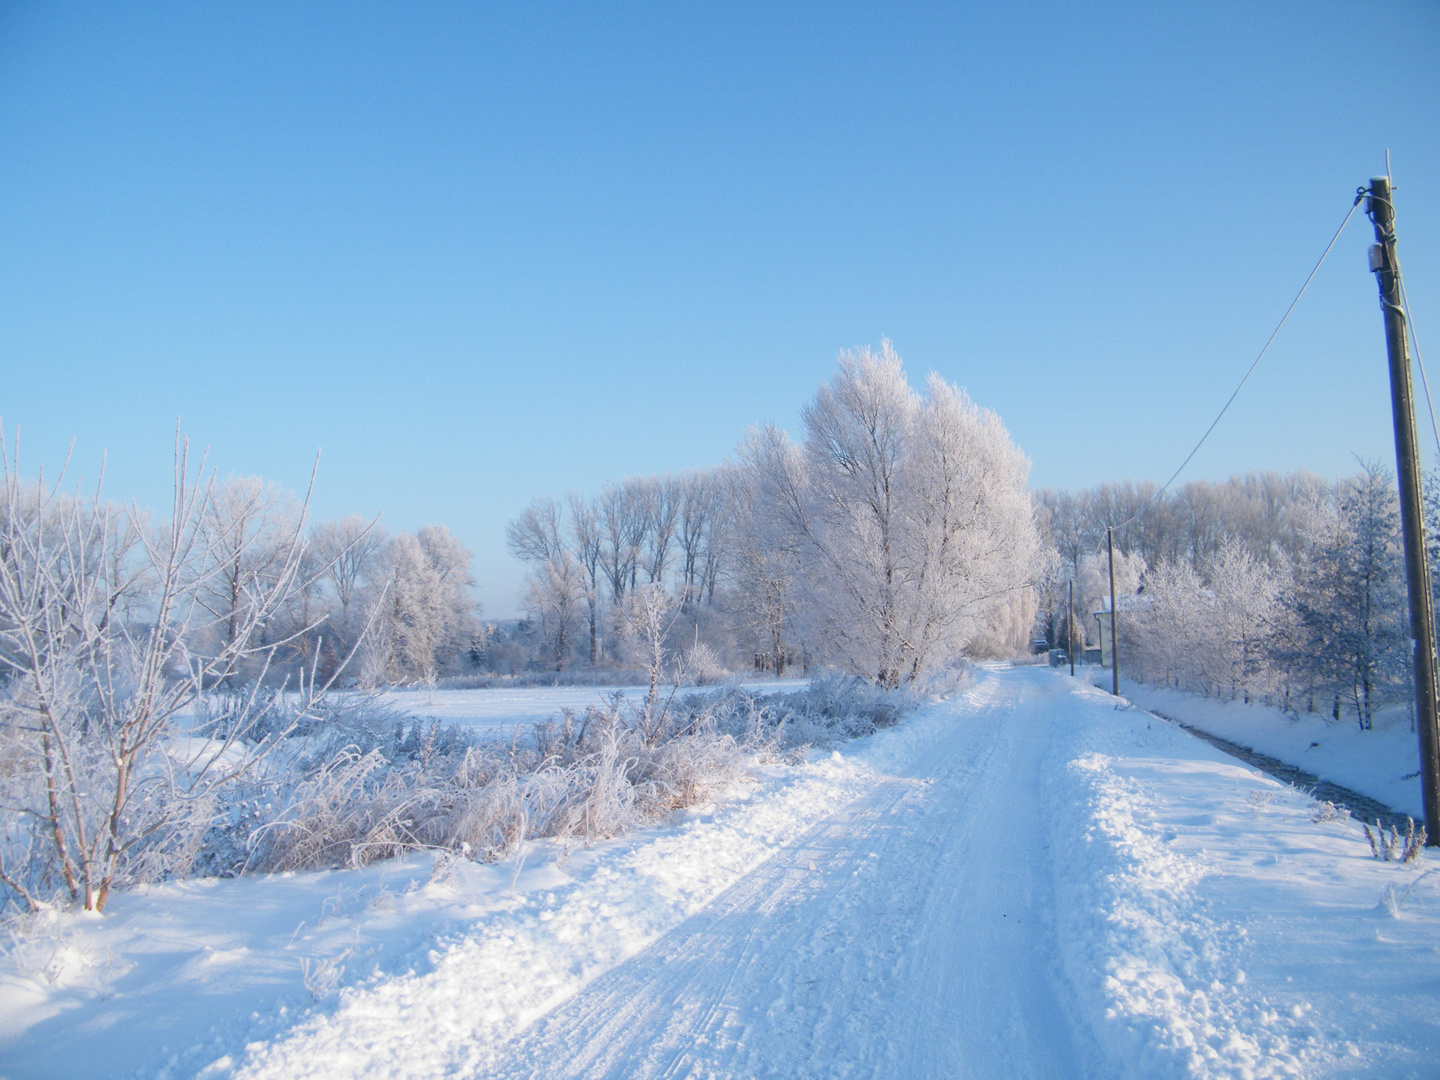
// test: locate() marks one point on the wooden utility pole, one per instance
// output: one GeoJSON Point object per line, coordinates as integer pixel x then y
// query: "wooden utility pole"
{"type": "Point", "coordinates": [1385, 265]}
{"type": "Point", "coordinates": [1070, 628]}
{"type": "Point", "coordinates": [1114, 641]}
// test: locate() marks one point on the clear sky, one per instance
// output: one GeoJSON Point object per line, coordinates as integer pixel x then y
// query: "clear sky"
{"type": "Point", "coordinates": [476, 253]}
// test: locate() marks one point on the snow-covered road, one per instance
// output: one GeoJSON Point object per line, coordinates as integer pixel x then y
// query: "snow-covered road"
{"type": "Point", "coordinates": [906, 935]}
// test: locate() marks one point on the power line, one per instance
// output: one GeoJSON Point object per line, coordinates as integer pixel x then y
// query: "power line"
{"type": "Point", "coordinates": [1251, 371]}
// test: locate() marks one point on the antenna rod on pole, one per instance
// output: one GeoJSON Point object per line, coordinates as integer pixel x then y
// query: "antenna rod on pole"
{"type": "Point", "coordinates": [1385, 265]}
{"type": "Point", "coordinates": [1114, 641]}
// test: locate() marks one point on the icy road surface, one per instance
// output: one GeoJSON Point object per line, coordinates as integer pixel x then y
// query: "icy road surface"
{"type": "Point", "coordinates": [906, 935]}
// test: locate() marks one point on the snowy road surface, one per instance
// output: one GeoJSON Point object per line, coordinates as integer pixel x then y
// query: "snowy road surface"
{"type": "Point", "coordinates": [1025, 880]}
{"type": "Point", "coordinates": [905, 935]}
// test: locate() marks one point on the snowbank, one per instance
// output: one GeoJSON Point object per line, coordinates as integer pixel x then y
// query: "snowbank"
{"type": "Point", "coordinates": [1211, 926]}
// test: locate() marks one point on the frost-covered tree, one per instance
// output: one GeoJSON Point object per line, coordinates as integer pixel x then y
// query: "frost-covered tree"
{"type": "Point", "coordinates": [1348, 633]}
{"type": "Point", "coordinates": [623, 517]}
{"type": "Point", "coordinates": [662, 497]}
{"type": "Point", "coordinates": [426, 613]}
{"type": "Point", "coordinates": [1213, 633]}
{"type": "Point", "coordinates": [646, 616]}
{"type": "Point", "coordinates": [696, 505]}
{"type": "Point", "coordinates": [1067, 526]}
{"type": "Point", "coordinates": [248, 528]}
{"type": "Point", "coordinates": [537, 534]}
{"type": "Point", "coordinates": [909, 513]}
{"type": "Point", "coordinates": [586, 547]}
{"type": "Point", "coordinates": [544, 533]}
{"type": "Point", "coordinates": [1092, 584]}
{"type": "Point", "coordinates": [113, 631]}
{"type": "Point", "coordinates": [1165, 637]}
{"type": "Point", "coordinates": [896, 534]}
{"type": "Point", "coordinates": [1430, 502]}
{"type": "Point", "coordinates": [765, 553]}
{"type": "Point", "coordinates": [349, 553]}
{"type": "Point", "coordinates": [1246, 606]}
{"type": "Point", "coordinates": [555, 599]}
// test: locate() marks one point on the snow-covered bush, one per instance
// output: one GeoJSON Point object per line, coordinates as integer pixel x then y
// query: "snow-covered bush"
{"type": "Point", "coordinates": [701, 665]}
{"type": "Point", "coordinates": [580, 777]}
{"type": "Point", "coordinates": [113, 631]}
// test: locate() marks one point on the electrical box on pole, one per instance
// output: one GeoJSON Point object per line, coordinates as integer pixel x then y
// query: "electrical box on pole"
{"type": "Point", "coordinates": [1385, 265]}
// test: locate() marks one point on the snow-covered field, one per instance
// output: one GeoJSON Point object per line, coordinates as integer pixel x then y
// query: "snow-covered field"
{"type": "Point", "coordinates": [503, 709]}
{"type": "Point", "coordinates": [1383, 763]}
{"type": "Point", "coordinates": [1023, 881]}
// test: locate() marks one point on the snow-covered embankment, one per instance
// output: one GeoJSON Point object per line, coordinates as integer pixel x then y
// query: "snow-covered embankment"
{"type": "Point", "coordinates": [1213, 923]}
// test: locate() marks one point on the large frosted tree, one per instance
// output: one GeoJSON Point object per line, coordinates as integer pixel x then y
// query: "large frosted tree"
{"type": "Point", "coordinates": [909, 514]}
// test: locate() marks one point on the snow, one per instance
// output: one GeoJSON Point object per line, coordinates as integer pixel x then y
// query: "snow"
{"type": "Point", "coordinates": [1382, 763]}
{"type": "Point", "coordinates": [503, 708]}
{"type": "Point", "coordinates": [1219, 930]}
{"type": "Point", "coordinates": [1031, 879]}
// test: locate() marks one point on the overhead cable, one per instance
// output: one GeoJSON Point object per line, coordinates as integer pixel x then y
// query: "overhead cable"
{"type": "Point", "coordinates": [1251, 371]}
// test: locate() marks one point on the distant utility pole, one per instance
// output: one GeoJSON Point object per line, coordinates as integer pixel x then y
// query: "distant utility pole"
{"type": "Point", "coordinates": [1385, 265]}
{"type": "Point", "coordinates": [1114, 641]}
{"type": "Point", "coordinates": [1070, 628]}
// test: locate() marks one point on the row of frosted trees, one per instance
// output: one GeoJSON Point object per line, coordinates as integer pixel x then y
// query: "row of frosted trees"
{"type": "Point", "coordinates": [895, 535]}
{"type": "Point", "coordinates": [388, 609]}
{"type": "Point", "coordinates": [1283, 588]}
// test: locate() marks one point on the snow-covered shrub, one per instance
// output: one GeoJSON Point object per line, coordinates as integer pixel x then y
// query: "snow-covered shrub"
{"type": "Point", "coordinates": [580, 777]}
{"type": "Point", "coordinates": [334, 817]}
{"type": "Point", "coordinates": [836, 706]}
{"type": "Point", "coordinates": [1325, 810]}
{"type": "Point", "coordinates": [300, 781]}
{"type": "Point", "coordinates": [700, 664]}
{"type": "Point", "coordinates": [616, 676]}
{"type": "Point", "coordinates": [321, 976]}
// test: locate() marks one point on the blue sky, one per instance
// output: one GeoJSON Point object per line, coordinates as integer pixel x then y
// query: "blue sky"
{"type": "Point", "coordinates": [477, 253]}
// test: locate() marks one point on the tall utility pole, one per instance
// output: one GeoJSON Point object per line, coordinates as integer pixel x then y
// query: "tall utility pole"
{"type": "Point", "coordinates": [1114, 641]}
{"type": "Point", "coordinates": [1385, 264]}
{"type": "Point", "coordinates": [1070, 628]}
